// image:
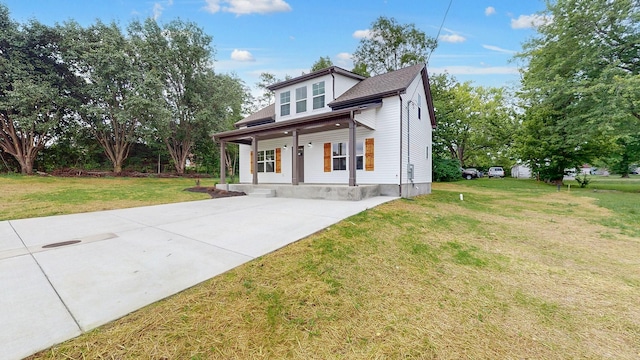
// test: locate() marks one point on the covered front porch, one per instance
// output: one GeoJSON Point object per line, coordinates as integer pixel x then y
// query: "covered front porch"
{"type": "Point", "coordinates": [292, 130]}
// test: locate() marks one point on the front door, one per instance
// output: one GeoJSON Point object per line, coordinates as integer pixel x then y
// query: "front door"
{"type": "Point", "coordinates": [300, 163]}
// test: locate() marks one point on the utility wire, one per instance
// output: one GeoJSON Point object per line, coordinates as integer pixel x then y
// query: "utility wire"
{"type": "Point", "coordinates": [441, 25]}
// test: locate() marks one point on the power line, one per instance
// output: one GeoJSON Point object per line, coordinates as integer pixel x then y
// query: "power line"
{"type": "Point", "coordinates": [441, 25]}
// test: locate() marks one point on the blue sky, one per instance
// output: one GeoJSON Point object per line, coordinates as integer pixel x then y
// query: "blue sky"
{"type": "Point", "coordinates": [476, 42]}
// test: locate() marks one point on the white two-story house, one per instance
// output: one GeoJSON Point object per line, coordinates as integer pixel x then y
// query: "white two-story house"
{"type": "Point", "coordinates": [335, 127]}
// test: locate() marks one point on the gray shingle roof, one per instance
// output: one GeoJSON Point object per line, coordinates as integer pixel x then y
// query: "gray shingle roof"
{"type": "Point", "coordinates": [265, 114]}
{"type": "Point", "coordinates": [378, 86]}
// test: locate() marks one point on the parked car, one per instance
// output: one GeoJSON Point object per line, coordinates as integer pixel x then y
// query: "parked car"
{"type": "Point", "coordinates": [495, 171]}
{"type": "Point", "coordinates": [470, 173]}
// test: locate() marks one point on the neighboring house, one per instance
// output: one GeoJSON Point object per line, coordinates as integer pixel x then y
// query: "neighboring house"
{"type": "Point", "coordinates": [336, 127]}
{"type": "Point", "coordinates": [586, 169]}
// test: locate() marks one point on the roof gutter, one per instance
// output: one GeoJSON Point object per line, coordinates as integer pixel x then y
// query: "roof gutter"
{"type": "Point", "coordinates": [333, 83]}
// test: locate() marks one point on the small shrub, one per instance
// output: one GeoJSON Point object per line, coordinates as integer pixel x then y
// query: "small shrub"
{"type": "Point", "coordinates": [583, 180]}
{"type": "Point", "coordinates": [446, 169]}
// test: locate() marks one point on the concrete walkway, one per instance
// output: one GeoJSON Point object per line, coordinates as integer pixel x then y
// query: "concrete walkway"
{"type": "Point", "coordinates": [61, 276]}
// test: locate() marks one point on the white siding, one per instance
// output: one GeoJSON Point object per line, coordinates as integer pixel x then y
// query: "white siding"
{"type": "Point", "coordinates": [274, 178]}
{"type": "Point", "coordinates": [343, 84]}
{"type": "Point", "coordinates": [417, 132]}
{"type": "Point", "coordinates": [368, 118]}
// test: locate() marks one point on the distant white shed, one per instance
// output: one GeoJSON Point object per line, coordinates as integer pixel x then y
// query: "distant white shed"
{"type": "Point", "coordinates": [521, 172]}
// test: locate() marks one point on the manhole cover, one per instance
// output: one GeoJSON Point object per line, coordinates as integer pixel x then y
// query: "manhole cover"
{"type": "Point", "coordinates": [63, 243]}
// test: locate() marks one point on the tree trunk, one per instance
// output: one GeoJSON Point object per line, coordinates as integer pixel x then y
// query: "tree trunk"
{"type": "Point", "coordinates": [22, 145]}
{"type": "Point", "coordinates": [26, 165]}
{"type": "Point", "coordinates": [179, 151]}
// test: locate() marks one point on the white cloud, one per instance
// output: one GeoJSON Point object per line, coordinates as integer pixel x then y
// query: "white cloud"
{"type": "Point", "coordinates": [244, 7]}
{"type": "Point", "coordinates": [344, 60]}
{"type": "Point", "coordinates": [241, 55]}
{"type": "Point", "coordinates": [344, 56]}
{"type": "Point", "coordinates": [474, 70]}
{"type": "Point", "coordinates": [213, 6]}
{"type": "Point", "coordinates": [362, 34]}
{"type": "Point", "coordinates": [452, 38]}
{"type": "Point", "coordinates": [158, 7]}
{"type": "Point", "coordinates": [529, 21]}
{"type": "Point", "coordinates": [499, 49]}
{"type": "Point", "coordinates": [489, 11]}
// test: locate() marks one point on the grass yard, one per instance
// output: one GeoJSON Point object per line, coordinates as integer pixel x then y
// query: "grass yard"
{"type": "Point", "coordinates": [34, 196]}
{"type": "Point", "coordinates": [613, 182]}
{"type": "Point", "coordinates": [516, 270]}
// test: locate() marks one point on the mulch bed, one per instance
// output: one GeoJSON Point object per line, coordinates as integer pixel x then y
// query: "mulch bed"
{"type": "Point", "coordinates": [215, 193]}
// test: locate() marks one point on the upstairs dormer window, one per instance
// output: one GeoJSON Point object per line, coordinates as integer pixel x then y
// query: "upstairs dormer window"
{"type": "Point", "coordinates": [318, 95]}
{"type": "Point", "coordinates": [285, 103]}
{"type": "Point", "coordinates": [301, 99]}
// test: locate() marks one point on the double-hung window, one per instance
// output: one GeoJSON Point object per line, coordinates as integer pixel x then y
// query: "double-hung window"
{"type": "Point", "coordinates": [285, 103]}
{"type": "Point", "coordinates": [339, 156]}
{"type": "Point", "coordinates": [266, 161]}
{"type": "Point", "coordinates": [318, 95]}
{"type": "Point", "coordinates": [301, 99]}
{"type": "Point", "coordinates": [419, 107]}
{"type": "Point", "coordinates": [359, 155]}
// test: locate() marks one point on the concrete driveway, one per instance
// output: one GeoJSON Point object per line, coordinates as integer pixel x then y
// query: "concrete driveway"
{"type": "Point", "coordinates": [61, 276]}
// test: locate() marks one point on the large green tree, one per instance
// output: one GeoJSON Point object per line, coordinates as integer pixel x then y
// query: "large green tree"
{"type": "Point", "coordinates": [391, 46]}
{"type": "Point", "coordinates": [178, 56]}
{"type": "Point", "coordinates": [36, 89]}
{"type": "Point", "coordinates": [475, 124]}
{"type": "Point", "coordinates": [116, 104]}
{"type": "Point", "coordinates": [229, 100]}
{"type": "Point", "coordinates": [581, 84]}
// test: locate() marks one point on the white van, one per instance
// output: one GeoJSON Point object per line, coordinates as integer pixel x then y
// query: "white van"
{"type": "Point", "coordinates": [495, 171]}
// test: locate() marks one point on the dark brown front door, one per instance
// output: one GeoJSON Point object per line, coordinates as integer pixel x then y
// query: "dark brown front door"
{"type": "Point", "coordinates": [300, 163]}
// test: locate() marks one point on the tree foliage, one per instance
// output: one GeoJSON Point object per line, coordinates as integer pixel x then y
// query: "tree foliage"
{"type": "Point", "coordinates": [322, 63]}
{"type": "Point", "coordinates": [115, 103]}
{"type": "Point", "coordinates": [476, 125]}
{"type": "Point", "coordinates": [36, 89]}
{"type": "Point", "coordinates": [580, 87]}
{"type": "Point", "coordinates": [177, 59]}
{"type": "Point", "coordinates": [392, 46]}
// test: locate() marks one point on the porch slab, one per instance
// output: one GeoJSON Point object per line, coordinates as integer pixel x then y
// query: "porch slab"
{"type": "Point", "coordinates": [312, 191]}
